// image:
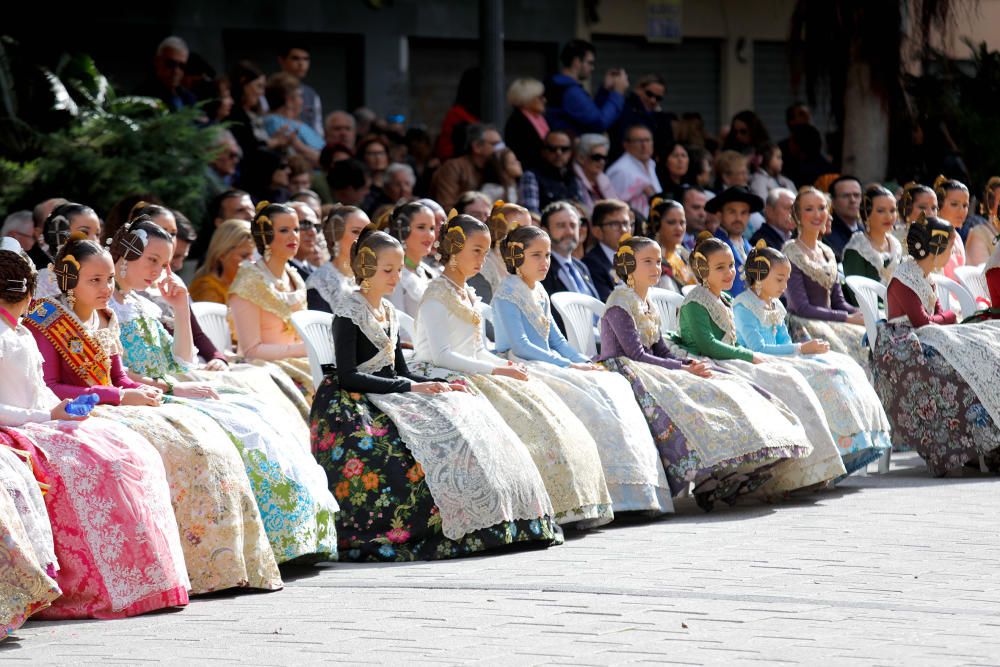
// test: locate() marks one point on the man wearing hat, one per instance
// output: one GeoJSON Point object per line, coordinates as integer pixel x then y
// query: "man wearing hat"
{"type": "Point", "coordinates": [734, 207]}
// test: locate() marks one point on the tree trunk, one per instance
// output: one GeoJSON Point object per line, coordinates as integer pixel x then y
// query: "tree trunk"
{"type": "Point", "coordinates": [866, 124]}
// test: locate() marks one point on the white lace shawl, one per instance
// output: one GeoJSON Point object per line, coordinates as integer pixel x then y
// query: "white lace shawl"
{"type": "Point", "coordinates": [884, 263]}
{"type": "Point", "coordinates": [644, 313]}
{"type": "Point", "coordinates": [720, 311]}
{"type": "Point", "coordinates": [494, 270]}
{"type": "Point", "coordinates": [769, 314]}
{"type": "Point", "coordinates": [825, 273]}
{"type": "Point", "coordinates": [357, 309]}
{"type": "Point", "coordinates": [910, 274]}
{"type": "Point", "coordinates": [331, 284]}
{"type": "Point", "coordinates": [533, 303]}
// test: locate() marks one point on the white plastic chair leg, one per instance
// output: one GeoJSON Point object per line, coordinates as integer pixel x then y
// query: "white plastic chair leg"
{"type": "Point", "coordinates": [884, 461]}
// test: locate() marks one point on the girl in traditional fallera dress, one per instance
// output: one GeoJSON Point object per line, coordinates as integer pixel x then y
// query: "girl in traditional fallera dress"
{"type": "Point", "coordinates": [668, 225]}
{"type": "Point", "coordinates": [65, 219]}
{"type": "Point", "coordinates": [504, 218]}
{"type": "Point", "coordinates": [423, 469]}
{"type": "Point", "coordinates": [916, 199]}
{"type": "Point", "coordinates": [982, 239]}
{"type": "Point", "coordinates": [224, 541]}
{"type": "Point", "coordinates": [852, 408]}
{"type": "Point", "coordinates": [527, 333]}
{"type": "Point", "coordinates": [874, 253]}
{"type": "Point", "coordinates": [449, 339]}
{"type": "Point", "coordinates": [107, 495]}
{"type": "Point", "coordinates": [940, 384]}
{"type": "Point", "coordinates": [815, 298]}
{"type": "Point", "coordinates": [412, 225]}
{"type": "Point", "coordinates": [726, 450]}
{"type": "Point", "coordinates": [297, 508]}
{"type": "Point", "coordinates": [334, 280]}
{"type": "Point", "coordinates": [267, 291]}
{"type": "Point", "coordinates": [953, 208]}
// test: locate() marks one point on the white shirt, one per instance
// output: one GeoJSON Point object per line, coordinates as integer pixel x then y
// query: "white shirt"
{"type": "Point", "coordinates": [24, 396]}
{"type": "Point", "coordinates": [630, 178]}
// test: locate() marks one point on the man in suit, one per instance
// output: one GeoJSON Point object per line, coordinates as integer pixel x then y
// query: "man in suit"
{"type": "Point", "coordinates": [734, 207]}
{"type": "Point", "coordinates": [566, 274]}
{"type": "Point", "coordinates": [846, 194]}
{"type": "Point", "coordinates": [610, 220]}
{"type": "Point", "coordinates": [778, 224]}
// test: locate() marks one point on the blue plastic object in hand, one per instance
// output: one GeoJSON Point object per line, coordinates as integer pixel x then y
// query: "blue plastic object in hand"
{"type": "Point", "coordinates": [82, 405]}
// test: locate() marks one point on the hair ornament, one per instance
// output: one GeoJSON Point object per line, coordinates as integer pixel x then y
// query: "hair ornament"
{"type": "Point", "coordinates": [67, 272]}
{"type": "Point", "coordinates": [761, 244]}
{"type": "Point", "coordinates": [514, 254]}
{"type": "Point", "coordinates": [261, 205]}
{"type": "Point", "coordinates": [452, 213]}
{"type": "Point", "coordinates": [17, 285]}
{"type": "Point", "coordinates": [624, 237]}
{"type": "Point", "coordinates": [367, 262]}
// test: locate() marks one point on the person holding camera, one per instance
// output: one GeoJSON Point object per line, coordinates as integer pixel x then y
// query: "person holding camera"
{"type": "Point", "coordinates": [570, 107]}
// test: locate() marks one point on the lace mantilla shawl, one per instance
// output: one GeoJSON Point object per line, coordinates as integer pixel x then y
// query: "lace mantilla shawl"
{"type": "Point", "coordinates": [719, 309]}
{"type": "Point", "coordinates": [769, 314]}
{"type": "Point", "coordinates": [884, 263]}
{"type": "Point", "coordinates": [824, 273]}
{"type": "Point", "coordinates": [533, 303]}
{"type": "Point", "coordinates": [644, 313]}
{"type": "Point", "coordinates": [910, 274]}
{"type": "Point", "coordinates": [357, 309]}
{"type": "Point", "coordinates": [494, 270]}
{"type": "Point", "coordinates": [331, 284]}
{"type": "Point", "coordinates": [255, 283]}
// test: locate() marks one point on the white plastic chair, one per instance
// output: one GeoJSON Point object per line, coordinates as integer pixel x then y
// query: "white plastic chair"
{"type": "Point", "coordinates": [669, 304]}
{"type": "Point", "coordinates": [486, 312]}
{"type": "Point", "coordinates": [407, 326]}
{"type": "Point", "coordinates": [868, 292]}
{"type": "Point", "coordinates": [316, 330]}
{"type": "Point", "coordinates": [973, 278]}
{"type": "Point", "coordinates": [577, 312]}
{"type": "Point", "coordinates": [687, 289]}
{"type": "Point", "coordinates": [213, 319]}
{"type": "Point", "coordinates": [948, 289]}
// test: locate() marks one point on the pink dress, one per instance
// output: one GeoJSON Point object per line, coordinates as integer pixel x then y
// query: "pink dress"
{"type": "Point", "coordinates": [957, 258]}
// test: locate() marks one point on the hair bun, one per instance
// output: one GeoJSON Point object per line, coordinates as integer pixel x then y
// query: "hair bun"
{"type": "Point", "coordinates": [77, 236]}
{"type": "Point", "coordinates": [261, 205]}
{"type": "Point", "coordinates": [703, 235]}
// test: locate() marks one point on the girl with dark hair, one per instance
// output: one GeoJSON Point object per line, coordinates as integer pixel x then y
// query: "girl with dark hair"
{"type": "Point", "coordinates": [65, 219]}
{"type": "Point", "coordinates": [981, 240]}
{"type": "Point", "coordinates": [746, 133]}
{"type": "Point", "coordinates": [291, 490]}
{"type": "Point", "coordinates": [852, 408]}
{"type": "Point", "coordinates": [668, 225]}
{"type": "Point", "coordinates": [953, 207]}
{"type": "Point", "coordinates": [503, 219]}
{"type": "Point", "coordinates": [413, 226]}
{"type": "Point", "coordinates": [334, 280]}
{"type": "Point", "coordinates": [939, 384]}
{"type": "Point", "coordinates": [768, 175]}
{"type": "Point", "coordinates": [449, 340]}
{"type": "Point", "coordinates": [526, 332]}
{"type": "Point", "coordinates": [875, 253]}
{"type": "Point", "coordinates": [724, 451]}
{"type": "Point", "coordinates": [423, 469]}
{"type": "Point", "coordinates": [916, 199]}
{"type": "Point", "coordinates": [214, 506]}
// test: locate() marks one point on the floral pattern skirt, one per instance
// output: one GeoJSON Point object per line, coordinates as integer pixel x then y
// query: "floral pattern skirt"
{"type": "Point", "coordinates": [930, 405]}
{"type": "Point", "coordinates": [109, 505]}
{"type": "Point", "coordinates": [843, 337]}
{"type": "Point", "coordinates": [386, 509]}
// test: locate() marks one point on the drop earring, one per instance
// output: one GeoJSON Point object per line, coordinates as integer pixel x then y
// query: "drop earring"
{"type": "Point", "coordinates": [365, 286]}
{"type": "Point", "coordinates": [267, 254]}
{"type": "Point", "coordinates": [630, 281]}
{"type": "Point", "coordinates": [124, 270]}
{"type": "Point", "coordinates": [452, 263]}
{"type": "Point", "coordinates": [71, 298]}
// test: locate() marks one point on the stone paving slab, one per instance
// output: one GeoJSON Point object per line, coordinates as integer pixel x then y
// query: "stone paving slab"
{"type": "Point", "coordinates": [899, 569]}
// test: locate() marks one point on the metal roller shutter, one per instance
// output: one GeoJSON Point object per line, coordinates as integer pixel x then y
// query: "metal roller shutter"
{"type": "Point", "coordinates": [772, 90]}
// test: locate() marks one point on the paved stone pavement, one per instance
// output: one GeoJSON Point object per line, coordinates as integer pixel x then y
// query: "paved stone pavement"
{"type": "Point", "coordinates": [899, 569]}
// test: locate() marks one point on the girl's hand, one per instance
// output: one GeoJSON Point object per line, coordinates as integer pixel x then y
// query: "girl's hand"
{"type": "Point", "coordinates": [815, 346]}
{"type": "Point", "coordinates": [216, 365]}
{"type": "Point", "coordinates": [759, 358]}
{"type": "Point", "coordinates": [856, 318]}
{"type": "Point", "coordinates": [173, 290]}
{"type": "Point", "coordinates": [144, 396]}
{"type": "Point", "coordinates": [194, 390]}
{"type": "Point", "coordinates": [699, 368]}
{"type": "Point", "coordinates": [586, 366]}
{"type": "Point", "coordinates": [430, 387]}
{"type": "Point", "coordinates": [459, 386]}
{"type": "Point", "coordinates": [511, 371]}
{"type": "Point", "coordinates": [59, 412]}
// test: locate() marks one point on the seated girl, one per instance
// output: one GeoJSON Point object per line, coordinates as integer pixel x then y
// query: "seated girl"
{"type": "Point", "coordinates": [938, 383]}
{"type": "Point", "coordinates": [953, 208]}
{"type": "Point", "coordinates": [726, 450]}
{"type": "Point", "coordinates": [300, 519]}
{"type": "Point", "coordinates": [423, 469]}
{"type": "Point", "coordinates": [874, 253]}
{"type": "Point", "coordinates": [669, 225]}
{"type": "Point", "coordinates": [815, 299]}
{"type": "Point", "coordinates": [526, 333]}
{"type": "Point", "coordinates": [503, 219]}
{"type": "Point", "coordinates": [449, 341]}
{"type": "Point", "coordinates": [231, 245]}
{"type": "Point", "coordinates": [102, 480]}
{"type": "Point", "coordinates": [334, 280]}
{"type": "Point", "coordinates": [412, 225]}
{"type": "Point", "coordinates": [916, 199]}
{"type": "Point", "coordinates": [852, 408]}
{"type": "Point", "coordinates": [77, 333]}
{"type": "Point", "coordinates": [707, 328]}
{"type": "Point", "coordinates": [982, 240]}
{"type": "Point", "coordinates": [65, 219]}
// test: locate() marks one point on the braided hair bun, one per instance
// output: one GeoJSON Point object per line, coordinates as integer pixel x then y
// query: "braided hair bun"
{"type": "Point", "coordinates": [760, 260]}
{"type": "Point", "coordinates": [455, 234]}
{"type": "Point", "coordinates": [928, 236]}
{"type": "Point", "coordinates": [17, 273]}
{"type": "Point", "coordinates": [705, 245]}
{"type": "Point", "coordinates": [512, 248]}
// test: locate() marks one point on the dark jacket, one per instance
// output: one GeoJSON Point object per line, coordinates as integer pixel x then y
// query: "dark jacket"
{"type": "Point", "coordinates": [570, 107]}
{"type": "Point", "coordinates": [634, 113]}
{"type": "Point", "coordinates": [840, 234]}
{"type": "Point", "coordinates": [522, 138]}
{"type": "Point", "coordinates": [553, 283]}
{"type": "Point", "coordinates": [601, 271]}
{"type": "Point", "coordinates": [770, 235]}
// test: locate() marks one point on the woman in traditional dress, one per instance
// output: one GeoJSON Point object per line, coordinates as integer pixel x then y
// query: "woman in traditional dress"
{"type": "Point", "coordinates": [953, 208]}
{"type": "Point", "coordinates": [231, 245]}
{"type": "Point", "coordinates": [916, 200]}
{"type": "Point", "coordinates": [982, 239]}
{"type": "Point", "coordinates": [65, 219]}
{"type": "Point", "coordinates": [526, 333]}
{"type": "Point", "coordinates": [726, 450]}
{"type": "Point", "coordinates": [334, 280]}
{"type": "Point", "coordinates": [815, 299]}
{"type": "Point", "coordinates": [707, 328]}
{"type": "Point", "coordinates": [449, 339]}
{"type": "Point", "coordinates": [939, 384]}
{"type": "Point", "coordinates": [423, 469]}
{"type": "Point", "coordinates": [503, 219]}
{"type": "Point", "coordinates": [223, 538]}
{"type": "Point", "coordinates": [412, 225]}
{"type": "Point", "coordinates": [291, 490]}
{"type": "Point", "coordinates": [667, 224]}
{"type": "Point", "coordinates": [874, 253]}
{"type": "Point", "coordinates": [107, 497]}
{"type": "Point", "coordinates": [852, 408]}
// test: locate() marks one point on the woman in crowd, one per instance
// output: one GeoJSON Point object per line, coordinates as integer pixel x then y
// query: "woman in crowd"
{"type": "Point", "coordinates": [852, 408]}
{"type": "Point", "coordinates": [449, 339]}
{"type": "Point", "coordinates": [333, 281]}
{"type": "Point", "coordinates": [591, 160]}
{"type": "Point", "coordinates": [502, 176]}
{"type": "Point", "coordinates": [727, 450]}
{"type": "Point", "coordinates": [475, 204]}
{"type": "Point", "coordinates": [982, 239]}
{"type": "Point", "coordinates": [247, 126]}
{"type": "Point", "coordinates": [503, 219]}
{"type": "Point", "coordinates": [673, 169]}
{"type": "Point", "coordinates": [769, 176]}
{"type": "Point", "coordinates": [707, 327]}
{"type": "Point", "coordinates": [224, 541]}
{"type": "Point", "coordinates": [413, 226]}
{"type": "Point", "coordinates": [232, 244]}
{"type": "Point", "coordinates": [423, 469]}
{"type": "Point", "coordinates": [815, 298]}
{"type": "Point", "coordinates": [746, 133]}
{"type": "Point", "coordinates": [875, 253]}
{"type": "Point", "coordinates": [938, 383]}
{"type": "Point", "coordinates": [64, 220]}
{"type": "Point", "coordinates": [526, 127]}
{"type": "Point", "coordinates": [284, 97]}
{"type": "Point", "coordinates": [916, 199]}
{"type": "Point", "coordinates": [527, 333]}
{"type": "Point", "coordinates": [667, 224]}
{"type": "Point", "coordinates": [374, 153]}
{"type": "Point", "coordinates": [953, 207]}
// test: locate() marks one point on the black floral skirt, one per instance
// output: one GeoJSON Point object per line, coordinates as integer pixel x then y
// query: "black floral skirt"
{"type": "Point", "coordinates": [386, 509]}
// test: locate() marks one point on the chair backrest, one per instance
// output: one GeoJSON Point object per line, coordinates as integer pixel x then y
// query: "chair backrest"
{"type": "Point", "coordinates": [948, 288]}
{"type": "Point", "coordinates": [973, 278]}
{"type": "Point", "coordinates": [407, 327]}
{"type": "Point", "coordinates": [316, 330]}
{"type": "Point", "coordinates": [213, 319]}
{"type": "Point", "coordinates": [669, 305]}
{"type": "Point", "coordinates": [577, 312]}
{"type": "Point", "coordinates": [868, 292]}
{"type": "Point", "coordinates": [687, 289]}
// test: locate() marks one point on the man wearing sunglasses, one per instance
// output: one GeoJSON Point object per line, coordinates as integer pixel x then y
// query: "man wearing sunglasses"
{"type": "Point", "coordinates": [168, 71]}
{"type": "Point", "coordinates": [591, 160]}
{"type": "Point", "coordinates": [644, 106]}
{"type": "Point", "coordinates": [553, 179]}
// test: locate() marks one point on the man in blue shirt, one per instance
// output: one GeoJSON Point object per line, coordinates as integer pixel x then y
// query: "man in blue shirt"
{"type": "Point", "coordinates": [734, 207]}
{"type": "Point", "coordinates": [569, 106]}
